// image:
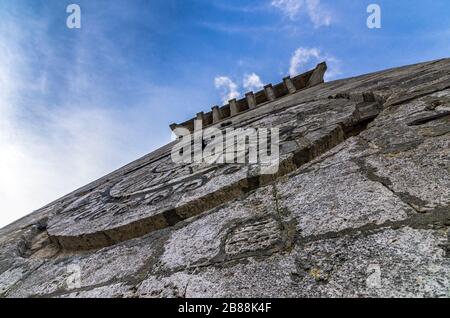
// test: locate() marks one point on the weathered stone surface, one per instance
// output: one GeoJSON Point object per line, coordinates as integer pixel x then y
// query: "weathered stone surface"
{"type": "Point", "coordinates": [359, 208]}
{"type": "Point", "coordinates": [388, 263]}
{"type": "Point", "coordinates": [347, 199]}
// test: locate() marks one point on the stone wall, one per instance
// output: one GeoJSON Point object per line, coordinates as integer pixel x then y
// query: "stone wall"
{"type": "Point", "coordinates": [359, 208]}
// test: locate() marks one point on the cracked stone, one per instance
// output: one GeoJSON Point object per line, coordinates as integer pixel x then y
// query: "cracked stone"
{"type": "Point", "coordinates": [359, 208]}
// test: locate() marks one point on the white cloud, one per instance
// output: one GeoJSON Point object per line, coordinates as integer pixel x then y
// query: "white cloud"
{"type": "Point", "coordinates": [228, 88]}
{"type": "Point", "coordinates": [49, 146]}
{"type": "Point", "coordinates": [252, 82]}
{"type": "Point", "coordinates": [290, 8]}
{"type": "Point", "coordinates": [43, 159]}
{"type": "Point", "coordinates": [318, 15]}
{"type": "Point", "coordinates": [316, 12]}
{"type": "Point", "coordinates": [304, 59]}
{"type": "Point", "coordinates": [37, 167]}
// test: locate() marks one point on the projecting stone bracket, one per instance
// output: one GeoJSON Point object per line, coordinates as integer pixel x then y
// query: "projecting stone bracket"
{"type": "Point", "coordinates": [35, 242]}
{"type": "Point", "coordinates": [253, 100]}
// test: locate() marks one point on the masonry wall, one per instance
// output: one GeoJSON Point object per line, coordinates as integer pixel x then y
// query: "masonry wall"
{"type": "Point", "coordinates": [359, 208]}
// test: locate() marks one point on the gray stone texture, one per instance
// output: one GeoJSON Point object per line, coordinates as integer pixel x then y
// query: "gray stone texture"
{"type": "Point", "coordinates": [359, 208]}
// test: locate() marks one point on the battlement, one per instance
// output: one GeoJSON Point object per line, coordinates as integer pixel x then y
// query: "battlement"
{"type": "Point", "coordinates": [253, 100]}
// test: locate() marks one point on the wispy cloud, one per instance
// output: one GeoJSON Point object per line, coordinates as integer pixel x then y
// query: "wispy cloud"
{"type": "Point", "coordinates": [52, 143]}
{"type": "Point", "coordinates": [317, 13]}
{"type": "Point", "coordinates": [227, 87]}
{"type": "Point", "coordinates": [252, 82]}
{"type": "Point", "coordinates": [237, 7]}
{"type": "Point", "coordinates": [290, 8]}
{"type": "Point", "coordinates": [301, 57]}
{"type": "Point", "coordinates": [70, 146]}
{"type": "Point", "coordinates": [251, 30]}
{"type": "Point", "coordinates": [293, 9]}
{"type": "Point", "coordinates": [305, 58]}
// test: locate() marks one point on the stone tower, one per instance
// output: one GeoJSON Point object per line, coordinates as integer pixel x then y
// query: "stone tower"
{"type": "Point", "coordinates": [358, 207]}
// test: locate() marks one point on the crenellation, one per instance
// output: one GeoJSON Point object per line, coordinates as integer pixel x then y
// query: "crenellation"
{"type": "Point", "coordinates": [216, 114]}
{"type": "Point", "coordinates": [289, 85]}
{"type": "Point", "coordinates": [261, 97]}
{"type": "Point", "coordinates": [173, 126]}
{"type": "Point", "coordinates": [242, 105]}
{"type": "Point", "coordinates": [200, 116]}
{"type": "Point", "coordinates": [280, 90]}
{"type": "Point", "coordinates": [208, 118]}
{"type": "Point", "coordinates": [225, 111]}
{"type": "Point", "coordinates": [270, 94]}
{"type": "Point", "coordinates": [198, 120]}
{"type": "Point", "coordinates": [252, 100]}
{"type": "Point", "coordinates": [233, 107]}
{"type": "Point", "coordinates": [317, 76]}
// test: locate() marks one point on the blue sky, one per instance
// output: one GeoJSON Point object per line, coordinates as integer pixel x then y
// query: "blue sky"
{"type": "Point", "coordinates": [78, 103]}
